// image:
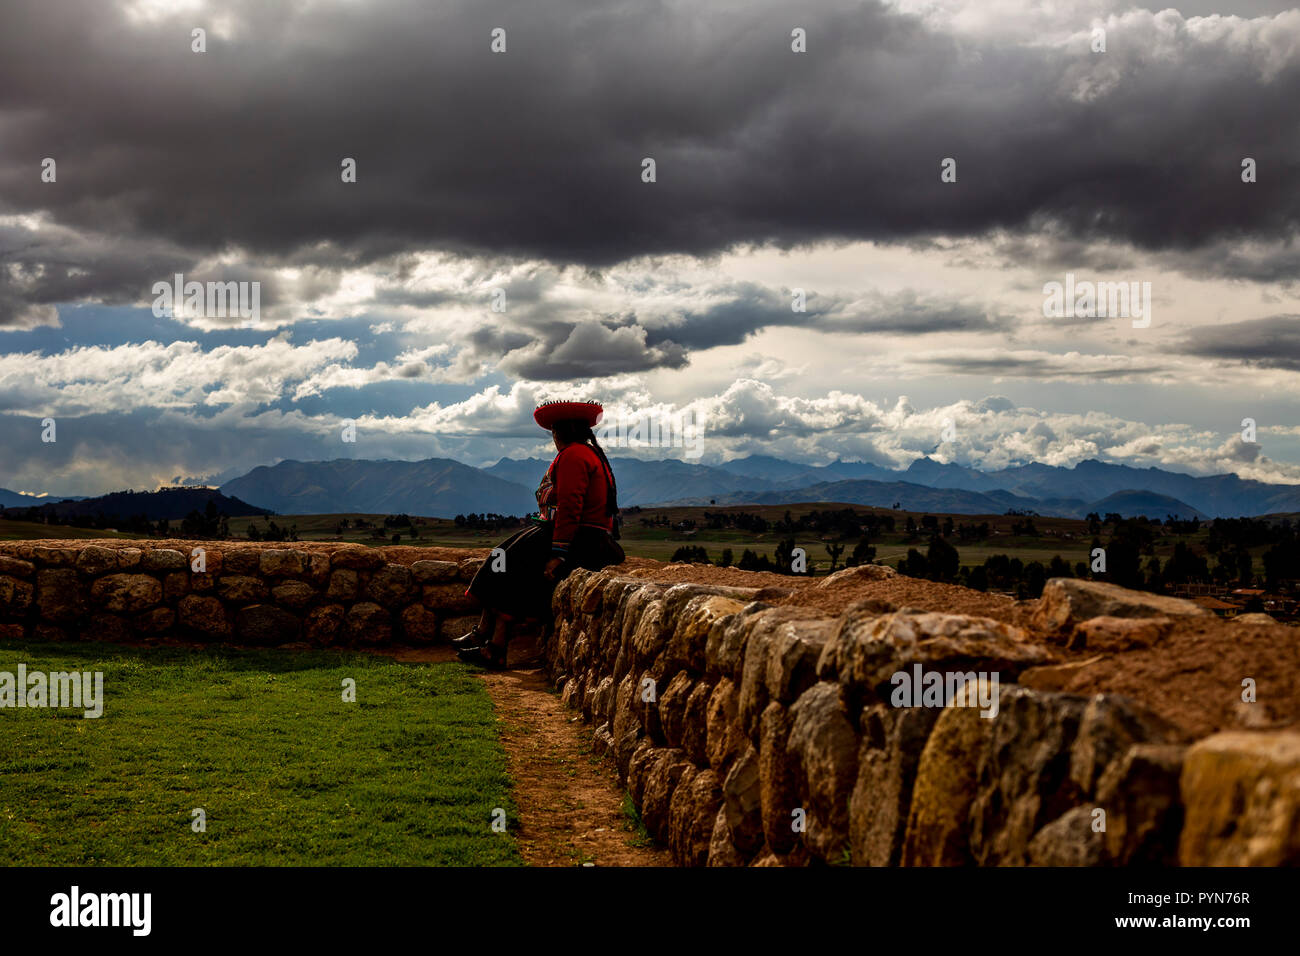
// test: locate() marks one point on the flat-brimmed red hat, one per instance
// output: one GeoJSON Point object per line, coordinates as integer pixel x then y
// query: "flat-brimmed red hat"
{"type": "Point", "coordinates": [548, 413]}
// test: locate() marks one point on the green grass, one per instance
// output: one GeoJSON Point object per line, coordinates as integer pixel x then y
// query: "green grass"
{"type": "Point", "coordinates": [287, 773]}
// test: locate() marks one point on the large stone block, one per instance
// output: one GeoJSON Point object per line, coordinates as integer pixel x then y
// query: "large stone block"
{"type": "Point", "coordinates": [126, 592]}
{"type": "Point", "coordinates": [343, 585]}
{"type": "Point", "coordinates": [1067, 601]}
{"type": "Point", "coordinates": [95, 559]}
{"type": "Point", "coordinates": [58, 594]}
{"type": "Point", "coordinates": [167, 559]}
{"type": "Point", "coordinates": [724, 741]}
{"type": "Point", "coordinates": [778, 779]}
{"type": "Point", "coordinates": [324, 624]}
{"type": "Point", "coordinates": [204, 615]}
{"type": "Point", "coordinates": [435, 572]}
{"type": "Point", "coordinates": [893, 739]}
{"type": "Point", "coordinates": [16, 567]}
{"type": "Point", "coordinates": [368, 623]}
{"type": "Point", "coordinates": [823, 746]}
{"type": "Point", "coordinates": [691, 816]}
{"type": "Point", "coordinates": [358, 558]}
{"type": "Point", "coordinates": [1241, 797]}
{"type": "Point", "coordinates": [419, 624]}
{"type": "Point", "coordinates": [869, 649]}
{"type": "Point", "coordinates": [15, 595]}
{"type": "Point", "coordinates": [698, 617]}
{"type": "Point", "coordinates": [277, 563]}
{"type": "Point", "coordinates": [392, 586]}
{"type": "Point", "coordinates": [1144, 814]}
{"type": "Point", "coordinates": [266, 624]}
{"type": "Point", "coordinates": [743, 803]}
{"type": "Point", "coordinates": [450, 598]}
{"type": "Point", "coordinates": [295, 595]}
{"type": "Point", "coordinates": [242, 589]}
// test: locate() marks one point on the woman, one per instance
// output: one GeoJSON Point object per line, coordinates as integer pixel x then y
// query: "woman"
{"type": "Point", "coordinates": [577, 503]}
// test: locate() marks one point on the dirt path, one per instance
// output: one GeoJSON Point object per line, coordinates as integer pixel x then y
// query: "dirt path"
{"type": "Point", "coordinates": [570, 802]}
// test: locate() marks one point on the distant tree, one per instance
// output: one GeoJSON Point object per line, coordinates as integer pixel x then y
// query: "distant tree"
{"type": "Point", "coordinates": [834, 550]}
{"type": "Point", "coordinates": [942, 559]}
{"type": "Point", "coordinates": [863, 553]}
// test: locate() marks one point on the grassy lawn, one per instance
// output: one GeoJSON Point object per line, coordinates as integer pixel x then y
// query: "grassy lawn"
{"type": "Point", "coordinates": [287, 773]}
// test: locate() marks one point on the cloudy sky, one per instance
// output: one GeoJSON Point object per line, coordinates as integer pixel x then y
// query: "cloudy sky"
{"type": "Point", "coordinates": [520, 174]}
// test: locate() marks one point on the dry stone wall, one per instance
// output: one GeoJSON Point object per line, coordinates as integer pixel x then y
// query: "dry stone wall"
{"type": "Point", "coordinates": [749, 732]}
{"type": "Point", "coordinates": [221, 592]}
{"type": "Point", "coordinates": [753, 734]}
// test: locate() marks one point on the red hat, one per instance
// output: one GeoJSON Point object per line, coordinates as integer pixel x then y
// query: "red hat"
{"type": "Point", "coordinates": [548, 413]}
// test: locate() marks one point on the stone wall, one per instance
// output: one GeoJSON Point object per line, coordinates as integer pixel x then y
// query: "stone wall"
{"type": "Point", "coordinates": [260, 595]}
{"type": "Point", "coordinates": [754, 734]}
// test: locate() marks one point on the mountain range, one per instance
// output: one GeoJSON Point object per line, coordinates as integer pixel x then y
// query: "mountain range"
{"type": "Point", "coordinates": [442, 487]}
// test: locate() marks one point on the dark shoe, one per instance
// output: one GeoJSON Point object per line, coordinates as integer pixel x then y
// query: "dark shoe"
{"type": "Point", "coordinates": [474, 638]}
{"type": "Point", "coordinates": [490, 656]}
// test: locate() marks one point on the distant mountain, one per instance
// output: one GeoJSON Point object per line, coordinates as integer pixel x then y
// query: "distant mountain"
{"type": "Point", "coordinates": [1134, 503]}
{"type": "Point", "coordinates": [443, 487]}
{"type": "Point", "coordinates": [435, 487]}
{"type": "Point", "coordinates": [16, 499]}
{"type": "Point", "coordinates": [877, 494]}
{"type": "Point", "coordinates": [771, 469]}
{"type": "Point", "coordinates": [170, 503]}
{"type": "Point", "coordinates": [642, 482]}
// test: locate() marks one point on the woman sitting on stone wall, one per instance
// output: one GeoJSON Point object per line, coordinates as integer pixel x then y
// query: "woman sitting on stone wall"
{"type": "Point", "coordinates": [577, 504]}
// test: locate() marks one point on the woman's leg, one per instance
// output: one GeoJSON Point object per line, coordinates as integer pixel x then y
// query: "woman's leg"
{"type": "Point", "coordinates": [481, 633]}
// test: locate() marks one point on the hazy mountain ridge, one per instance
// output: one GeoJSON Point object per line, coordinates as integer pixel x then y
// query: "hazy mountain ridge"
{"type": "Point", "coordinates": [443, 487]}
{"type": "Point", "coordinates": [170, 503]}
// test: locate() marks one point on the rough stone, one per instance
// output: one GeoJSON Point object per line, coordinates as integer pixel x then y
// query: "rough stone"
{"type": "Point", "coordinates": [204, 615]}
{"type": "Point", "coordinates": [58, 594]}
{"type": "Point", "coordinates": [824, 750]}
{"type": "Point", "coordinates": [94, 559]}
{"type": "Point", "coordinates": [324, 624]}
{"type": "Point", "coordinates": [392, 586]}
{"type": "Point", "coordinates": [1241, 795]}
{"type": "Point", "coordinates": [419, 624]}
{"type": "Point", "coordinates": [892, 741]}
{"type": "Point", "coordinates": [1069, 840]}
{"type": "Point", "coordinates": [435, 572]}
{"type": "Point", "coordinates": [276, 562]}
{"type": "Point", "coordinates": [1067, 601]}
{"type": "Point", "coordinates": [126, 592]}
{"type": "Point", "coordinates": [295, 595]}
{"type": "Point", "coordinates": [368, 623]}
{"type": "Point", "coordinates": [358, 558]}
{"type": "Point", "coordinates": [778, 790]}
{"type": "Point", "coordinates": [266, 624]}
{"type": "Point", "coordinates": [15, 567]}
{"type": "Point", "coordinates": [344, 585]}
{"type": "Point", "coordinates": [242, 589]}
{"type": "Point", "coordinates": [1144, 814]}
{"type": "Point", "coordinates": [15, 595]}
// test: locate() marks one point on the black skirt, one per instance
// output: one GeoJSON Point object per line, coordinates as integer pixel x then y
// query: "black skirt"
{"type": "Point", "coordinates": [520, 587]}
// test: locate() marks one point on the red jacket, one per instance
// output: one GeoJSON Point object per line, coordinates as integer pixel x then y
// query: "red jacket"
{"type": "Point", "coordinates": [574, 492]}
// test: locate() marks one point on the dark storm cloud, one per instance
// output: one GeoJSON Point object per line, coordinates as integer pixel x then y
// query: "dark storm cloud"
{"type": "Point", "coordinates": [1273, 342]}
{"type": "Point", "coordinates": [544, 343]}
{"type": "Point", "coordinates": [536, 153]}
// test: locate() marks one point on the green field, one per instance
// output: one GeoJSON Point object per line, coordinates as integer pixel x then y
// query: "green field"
{"type": "Point", "coordinates": [11, 530]}
{"type": "Point", "coordinates": [1066, 537]}
{"type": "Point", "coordinates": [262, 741]}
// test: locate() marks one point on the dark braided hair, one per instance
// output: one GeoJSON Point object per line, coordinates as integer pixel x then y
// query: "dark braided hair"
{"type": "Point", "coordinates": [576, 431]}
